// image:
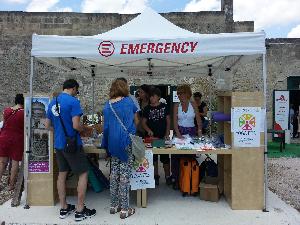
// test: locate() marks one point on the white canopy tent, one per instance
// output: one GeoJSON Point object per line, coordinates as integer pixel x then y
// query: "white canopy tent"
{"type": "Point", "coordinates": [148, 44]}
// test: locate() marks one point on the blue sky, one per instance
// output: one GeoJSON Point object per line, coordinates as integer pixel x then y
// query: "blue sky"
{"type": "Point", "coordinates": [279, 18]}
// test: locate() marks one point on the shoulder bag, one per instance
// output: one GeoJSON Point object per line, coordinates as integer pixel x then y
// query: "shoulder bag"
{"type": "Point", "coordinates": [138, 146]}
{"type": "Point", "coordinates": [71, 142]}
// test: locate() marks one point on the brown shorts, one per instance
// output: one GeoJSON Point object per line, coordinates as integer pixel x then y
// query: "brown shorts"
{"type": "Point", "coordinates": [76, 162]}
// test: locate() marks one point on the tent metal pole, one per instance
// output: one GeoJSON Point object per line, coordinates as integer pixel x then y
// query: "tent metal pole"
{"type": "Point", "coordinates": [28, 141]}
{"type": "Point", "coordinates": [210, 106]}
{"type": "Point", "coordinates": [93, 99]}
{"type": "Point", "coordinates": [265, 133]}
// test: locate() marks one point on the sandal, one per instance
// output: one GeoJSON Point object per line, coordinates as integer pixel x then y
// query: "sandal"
{"type": "Point", "coordinates": [126, 213]}
{"type": "Point", "coordinates": [114, 210]}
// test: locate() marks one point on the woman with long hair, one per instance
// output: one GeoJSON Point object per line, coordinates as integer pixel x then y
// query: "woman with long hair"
{"type": "Point", "coordinates": [120, 109]}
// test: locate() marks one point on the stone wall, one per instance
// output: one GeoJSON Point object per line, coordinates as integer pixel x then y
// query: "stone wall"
{"type": "Point", "coordinates": [16, 29]}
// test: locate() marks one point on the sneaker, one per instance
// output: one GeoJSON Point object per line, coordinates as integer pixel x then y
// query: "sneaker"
{"type": "Point", "coordinates": [156, 178]}
{"type": "Point", "coordinates": [84, 214]}
{"type": "Point", "coordinates": [63, 213]}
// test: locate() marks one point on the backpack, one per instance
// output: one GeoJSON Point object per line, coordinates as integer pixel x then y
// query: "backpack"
{"type": "Point", "coordinates": [208, 168]}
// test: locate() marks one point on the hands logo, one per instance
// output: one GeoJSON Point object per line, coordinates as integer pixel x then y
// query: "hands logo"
{"type": "Point", "coordinates": [141, 167]}
{"type": "Point", "coordinates": [247, 122]}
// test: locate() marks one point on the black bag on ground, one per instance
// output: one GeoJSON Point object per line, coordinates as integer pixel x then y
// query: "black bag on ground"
{"type": "Point", "coordinates": [208, 168]}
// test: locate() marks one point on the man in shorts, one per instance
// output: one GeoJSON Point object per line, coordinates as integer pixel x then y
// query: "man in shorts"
{"type": "Point", "coordinates": [64, 110]}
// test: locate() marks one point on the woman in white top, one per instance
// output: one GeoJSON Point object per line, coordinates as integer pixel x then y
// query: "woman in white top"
{"type": "Point", "coordinates": [184, 123]}
{"type": "Point", "coordinates": [185, 114]}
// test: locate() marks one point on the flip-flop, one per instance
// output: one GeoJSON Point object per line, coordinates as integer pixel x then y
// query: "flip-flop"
{"type": "Point", "coordinates": [125, 214]}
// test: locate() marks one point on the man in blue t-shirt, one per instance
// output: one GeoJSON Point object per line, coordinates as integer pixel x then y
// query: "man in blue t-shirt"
{"type": "Point", "coordinates": [65, 111]}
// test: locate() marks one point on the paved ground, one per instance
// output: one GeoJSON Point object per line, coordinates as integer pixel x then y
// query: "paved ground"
{"type": "Point", "coordinates": [165, 206]}
{"type": "Point", "coordinates": [284, 179]}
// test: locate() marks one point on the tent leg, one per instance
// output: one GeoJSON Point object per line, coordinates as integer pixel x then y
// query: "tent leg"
{"type": "Point", "coordinates": [28, 140]}
{"type": "Point", "coordinates": [266, 141]}
{"type": "Point", "coordinates": [93, 99]}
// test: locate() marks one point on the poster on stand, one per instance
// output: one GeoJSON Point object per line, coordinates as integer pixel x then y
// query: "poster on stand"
{"type": "Point", "coordinates": [39, 158]}
{"type": "Point", "coordinates": [281, 110]}
{"type": "Point", "coordinates": [142, 175]}
{"type": "Point", "coordinates": [246, 126]}
{"type": "Point", "coordinates": [175, 97]}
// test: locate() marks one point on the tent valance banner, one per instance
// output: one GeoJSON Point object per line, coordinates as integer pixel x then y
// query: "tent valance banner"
{"type": "Point", "coordinates": [149, 35]}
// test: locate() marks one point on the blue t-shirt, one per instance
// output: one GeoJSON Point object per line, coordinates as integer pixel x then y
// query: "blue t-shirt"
{"type": "Point", "coordinates": [115, 138]}
{"type": "Point", "coordinates": [69, 107]}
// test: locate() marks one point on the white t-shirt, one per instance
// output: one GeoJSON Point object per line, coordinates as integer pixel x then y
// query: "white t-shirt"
{"type": "Point", "coordinates": [186, 119]}
{"type": "Point", "coordinates": [1, 124]}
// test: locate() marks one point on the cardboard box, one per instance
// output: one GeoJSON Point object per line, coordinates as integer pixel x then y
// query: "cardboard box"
{"type": "Point", "coordinates": [209, 190]}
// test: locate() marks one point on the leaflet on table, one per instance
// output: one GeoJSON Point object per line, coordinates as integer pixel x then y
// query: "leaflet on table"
{"type": "Point", "coordinates": [187, 143]}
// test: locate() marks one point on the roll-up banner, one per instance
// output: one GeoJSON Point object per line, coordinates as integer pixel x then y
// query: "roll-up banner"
{"type": "Point", "coordinates": [281, 110]}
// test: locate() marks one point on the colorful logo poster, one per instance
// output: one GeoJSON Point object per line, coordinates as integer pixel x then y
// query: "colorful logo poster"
{"type": "Point", "coordinates": [246, 126]}
{"type": "Point", "coordinates": [142, 175]}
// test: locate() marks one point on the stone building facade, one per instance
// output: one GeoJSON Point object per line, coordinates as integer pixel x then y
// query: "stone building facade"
{"type": "Point", "coordinates": [16, 29]}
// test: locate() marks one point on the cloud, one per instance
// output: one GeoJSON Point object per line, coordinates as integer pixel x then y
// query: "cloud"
{"type": "Point", "coordinates": [295, 32]}
{"type": "Point", "coordinates": [203, 5]}
{"type": "Point", "coordinates": [265, 14]}
{"type": "Point", "coordinates": [41, 5]}
{"type": "Point", "coordinates": [15, 1]}
{"type": "Point", "coordinates": [65, 9]}
{"type": "Point", "coordinates": [113, 6]}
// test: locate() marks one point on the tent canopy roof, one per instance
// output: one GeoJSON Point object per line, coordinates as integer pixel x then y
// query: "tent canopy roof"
{"type": "Point", "coordinates": [147, 42]}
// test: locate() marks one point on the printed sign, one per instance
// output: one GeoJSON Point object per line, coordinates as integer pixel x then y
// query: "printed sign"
{"type": "Point", "coordinates": [39, 158]}
{"type": "Point", "coordinates": [107, 48]}
{"type": "Point", "coordinates": [281, 111]}
{"type": "Point", "coordinates": [175, 97]}
{"type": "Point", "coordinates": [142, 175]}
{"type": "Point", "coordinates": [246, 126]}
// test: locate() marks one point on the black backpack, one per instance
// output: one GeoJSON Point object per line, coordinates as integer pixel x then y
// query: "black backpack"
{"type": "Point", "coordinates": [208, 168]}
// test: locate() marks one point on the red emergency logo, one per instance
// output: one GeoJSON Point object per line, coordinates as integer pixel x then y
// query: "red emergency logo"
{"type": "Point", "coordinates": [281, 98]}
{"type": "Point", "coordinates": [106, 48]}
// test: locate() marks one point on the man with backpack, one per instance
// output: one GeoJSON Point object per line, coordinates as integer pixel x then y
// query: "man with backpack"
{"type": "Point", "coordinates": [63, 114]}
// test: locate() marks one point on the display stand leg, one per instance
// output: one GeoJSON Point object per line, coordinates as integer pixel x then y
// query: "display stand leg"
{"type": "Point", "coordinates": [144, 198]}
{"type": "Point", "coordinates": [139, 198]}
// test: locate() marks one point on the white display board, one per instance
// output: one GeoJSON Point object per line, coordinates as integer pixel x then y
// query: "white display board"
{"type": "Point", "coordinates": [175, 97]}
{"type": "Point", "coordinates": [39, 158]}
{"type": "Point", "coordinates": [281, 110]}
{"type": "Point", "coordinates": [142, 175]}
{"type": "Point", "coordinates": [246, 126]}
